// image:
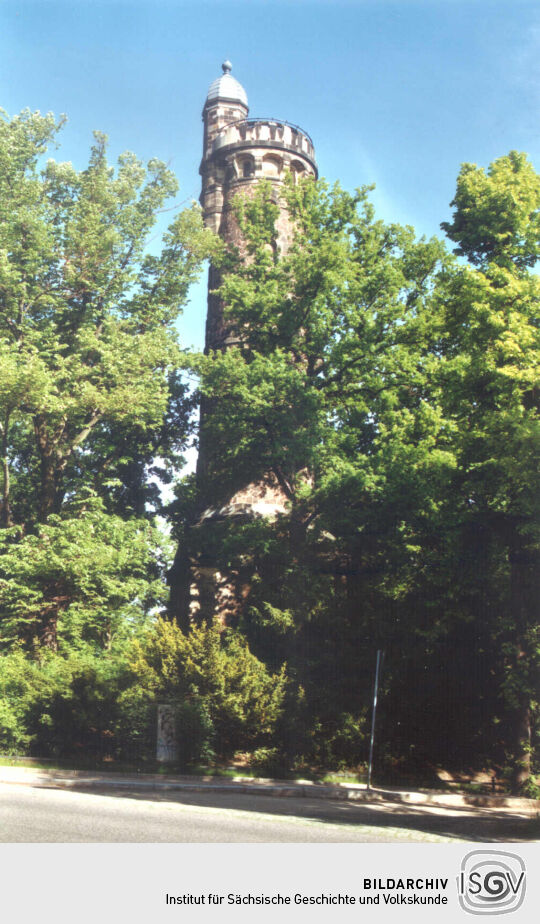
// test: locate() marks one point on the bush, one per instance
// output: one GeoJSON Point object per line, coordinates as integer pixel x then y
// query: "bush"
{"type": "Point", "coordinates": [103, 704]}
{"type": "Point", "coordinates": [269, 762]}
{"type": "Point", "coordinates": [216, 673]}
{"type": "Point", "coordinates": [13, 737]}
{"type": "Point", "coordinates": [531, 789]}
{"type": "Point", "coordinates": [135, 725]}
{"type": "Point", "coordinates": [195, 733]}
{"type": "Point", "coordinates": [60, 707]}
{"type": "Point", "coordinates": [344, 744]}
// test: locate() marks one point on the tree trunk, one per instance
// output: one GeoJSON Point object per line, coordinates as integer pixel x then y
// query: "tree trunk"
{"type": "Point", "coordinates": [47, 500]}
{"type": "Point", "coordinates": [521, 770]}
{"type": "Point", "coordinates": [180, 578]}
{"type": "Point", "coordinates": [5, 512]}
{"type": "Point", "coordinates": [48, 635]}
{"type": "Point", "coordinates": [48, 466]}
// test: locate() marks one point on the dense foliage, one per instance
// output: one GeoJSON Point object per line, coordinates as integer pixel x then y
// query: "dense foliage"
{"type": "Point", "coordinates": [390, 390]}
{"type": "Point", "coordinates": [387, 387]}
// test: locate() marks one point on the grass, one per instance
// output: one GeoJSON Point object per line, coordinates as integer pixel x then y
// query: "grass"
{"type": "Point", "coordinates": [42, 764]}
{"type": "Point", "coordinates": [152, 766]}
{"type": "Point", "coordinates": [344, 778]}
{"type": "Point", "coordinates": [229, 772]}
{"type": "Point", "coordinates": [109, 766]}
{"type": "Point", "coordinates": [57, 763]}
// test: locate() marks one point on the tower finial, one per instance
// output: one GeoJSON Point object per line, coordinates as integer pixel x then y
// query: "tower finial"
{"type": "Point", "coordinates": [226, 67]}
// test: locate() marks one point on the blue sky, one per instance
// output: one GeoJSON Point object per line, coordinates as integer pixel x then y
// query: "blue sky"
{"type": "Point", "coordinates": [393, 93]}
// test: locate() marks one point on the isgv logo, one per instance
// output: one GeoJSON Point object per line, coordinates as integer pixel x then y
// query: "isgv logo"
{"type": "Point", "coordinates": [491, 882]}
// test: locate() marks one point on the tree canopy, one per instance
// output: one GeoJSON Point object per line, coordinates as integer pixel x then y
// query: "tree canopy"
{"type": "Point", "coordinates": [90, 395]}
{"type": "Point", "coordinates": [87, 323]}
{"type": "Point", "coordinates": [390, 390]}
{"type": "Point", "coordinates": [385, 387]}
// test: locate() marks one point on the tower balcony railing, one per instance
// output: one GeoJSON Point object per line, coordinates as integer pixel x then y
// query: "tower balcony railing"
{"type": "Point", "coordinates": [267, 132]}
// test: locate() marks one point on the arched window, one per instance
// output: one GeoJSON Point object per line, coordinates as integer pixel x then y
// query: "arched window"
{"type": "Point", "coordinates": [271, 165]}
{"type": "Point", "coordinates": [297, 169]}
{"type": "Point", "coordinates": [247, 167]}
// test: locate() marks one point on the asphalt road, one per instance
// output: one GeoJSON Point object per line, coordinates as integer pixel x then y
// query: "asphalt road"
{"type": "Point", "coordinates": [30, 814]}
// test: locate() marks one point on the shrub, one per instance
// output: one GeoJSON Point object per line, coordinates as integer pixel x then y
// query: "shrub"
{"type": "Point", "coordinates": [195, 733]}
{"type": "Point", "coordinates": [13, 737]}
{"type": "Point", "coordinates": [216, 673]}
{"type": "Point", "coordinates": [269, 762]}
{"type": "Point", "coordinates": [59, 706]}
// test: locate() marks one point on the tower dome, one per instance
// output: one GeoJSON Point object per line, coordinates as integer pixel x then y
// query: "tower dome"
{"type": "Point", "coordinates": [227, 87]}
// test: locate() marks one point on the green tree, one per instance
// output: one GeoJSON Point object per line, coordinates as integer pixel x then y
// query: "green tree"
{"type": "Point", "coordinates": [86, 316]}
{"type": "Point", "coordinates": [491, 348]}
{"type": "Point", "coordinates": [91, 400]}
{"type": "Point", "coordinates": [333, 357]}
{"type": "Point", "coordinates": [328, 395]}
{"type": "Point", "coordinates": [85, 578]}
{"type": "Point", "coordinates": [391, 392]}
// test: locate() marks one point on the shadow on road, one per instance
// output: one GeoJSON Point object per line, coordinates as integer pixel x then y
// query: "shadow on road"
{"type": "Point", "coordinates": [486, 825]}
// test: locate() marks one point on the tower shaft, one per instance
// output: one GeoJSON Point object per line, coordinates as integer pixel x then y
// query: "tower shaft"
{"type": "Point", "coordinates": [238, 152]}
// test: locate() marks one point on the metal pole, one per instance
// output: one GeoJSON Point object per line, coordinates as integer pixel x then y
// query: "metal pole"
{"type": "Point", "coordinates": [375, 691]}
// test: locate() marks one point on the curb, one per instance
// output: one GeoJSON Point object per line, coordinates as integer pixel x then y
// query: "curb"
{"type": "Point", "coordinates": [70, 779]}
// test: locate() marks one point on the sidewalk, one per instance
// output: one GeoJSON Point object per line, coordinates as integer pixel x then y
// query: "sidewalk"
{"type": "Point", "coordinates": [65, 779]}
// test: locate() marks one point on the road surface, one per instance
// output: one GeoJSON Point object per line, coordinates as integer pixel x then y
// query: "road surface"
{"type": "Point", "coordinates": [47, 815]}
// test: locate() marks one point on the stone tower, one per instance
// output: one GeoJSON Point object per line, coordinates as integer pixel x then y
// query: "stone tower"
{"type": "Point", "coordinates": [237, 153]}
